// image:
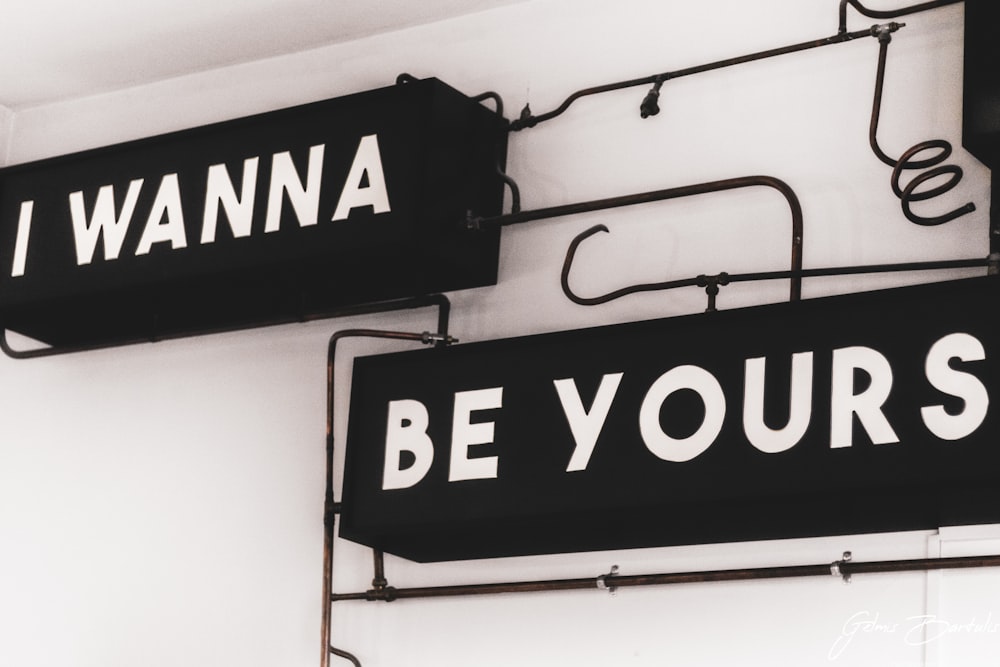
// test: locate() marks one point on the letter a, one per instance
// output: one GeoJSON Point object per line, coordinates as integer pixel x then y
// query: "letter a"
{"type": "Point", "coordinates": [367, 160]}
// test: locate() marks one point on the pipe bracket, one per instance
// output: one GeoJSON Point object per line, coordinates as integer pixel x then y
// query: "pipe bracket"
{"type": "Point", "coordinates": [602, 581]}
{"type": "Point", "coordinates": [836, 568]}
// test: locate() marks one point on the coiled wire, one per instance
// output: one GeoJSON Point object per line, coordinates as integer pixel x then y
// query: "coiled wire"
{"type": "Point", "coordinates": [908, 194]}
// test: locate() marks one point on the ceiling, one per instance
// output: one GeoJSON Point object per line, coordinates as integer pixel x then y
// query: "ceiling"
{"type": "Point", "coordinates": [59, 49]}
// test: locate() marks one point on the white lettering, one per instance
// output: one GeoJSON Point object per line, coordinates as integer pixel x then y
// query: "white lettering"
{"type": "Point", "coordinates": [367, 160]}
{"type": "Point", "coordinates": [284, 178]}
{"type": "Point", "coordinates": [21, 243]}
{"type": "Point", "coordinates": [666, 447]}
{"type": "Point", "coordinates": [406, 431]}
{"type": "Point", "coordinates": [586, 426]}
{"type": "Point", "coordinates": [758, 433]}
{"type": "Point", "coordinates": [219, 191]}
{"type": "Point", "coordinates": [867, 405]}
{"type": "Point", "coordinates": [955, 383]}
{"type": "Point", "coordinates": [465, 434]}
{"type": "Point", "coordinates": [166, 205]}
{"type": "Point", "coordinates": [103, 219]}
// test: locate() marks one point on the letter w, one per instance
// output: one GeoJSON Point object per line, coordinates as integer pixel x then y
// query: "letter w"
{"type": "Point", "coordinates": [114, 227]}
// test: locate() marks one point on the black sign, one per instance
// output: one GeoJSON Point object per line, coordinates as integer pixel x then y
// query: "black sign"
{"type": "Point", "coordinates": [981, 89]}
{"type": "Point", "coordinates": [271, 218]}
{"type": "Point", "coordinates": [861, 413]}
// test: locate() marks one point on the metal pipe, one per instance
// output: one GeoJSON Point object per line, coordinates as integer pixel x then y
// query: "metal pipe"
{"type": "Point", "coordinates": [796, 274]}
{"type": "Point", "coordinates": [843, 568]}
{"type": "Point", "coordinates": [994, 214]}
{"type": "Point", "coordinates": [331, 508]}
{"type": "Point", "coordinates": [527, 120]}
{"type": "Point", "coordinates": [795, 289]}
{"type": "Point", "coordinates": [515, 191]}
{"type": "Point", "coordinates": [907, 195]}
{"type": "Point", "coordinates": [888, 14]}
{"type": "Point", "coordinates": [154, 337]}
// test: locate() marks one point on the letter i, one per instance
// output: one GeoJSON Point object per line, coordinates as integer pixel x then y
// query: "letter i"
{"type": "Point", "coordinates": [21, 244]}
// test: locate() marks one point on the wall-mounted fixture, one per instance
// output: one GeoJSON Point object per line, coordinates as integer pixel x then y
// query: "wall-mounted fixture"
{"type": "Point", "coordinates": [284, 216]}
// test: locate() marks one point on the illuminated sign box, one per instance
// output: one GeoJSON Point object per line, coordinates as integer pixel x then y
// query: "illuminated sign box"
{"type": "Point", "coordinates": [848, 414]}
{"type": "Point", "coordinates": [272, 218]}
{"type": "Point", "coordinates": [981, 90]}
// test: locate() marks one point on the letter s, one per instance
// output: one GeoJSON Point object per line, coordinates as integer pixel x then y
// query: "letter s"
{"type": "Point", "coordinates": [955, 383]}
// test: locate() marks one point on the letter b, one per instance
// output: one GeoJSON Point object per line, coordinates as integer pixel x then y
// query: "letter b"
{"type": "Point", "coordinates": [406, 431]}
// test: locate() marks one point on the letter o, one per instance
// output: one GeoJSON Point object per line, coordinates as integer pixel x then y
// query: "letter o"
{"type": "Point", "coordinates": [684, 449]}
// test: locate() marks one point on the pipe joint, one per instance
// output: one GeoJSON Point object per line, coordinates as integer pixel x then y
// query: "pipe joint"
{"type": "Point", "coordinates": [711, 285]}
{"type": "Point", "coordinates": [837, 567]}
{"type": "Point", "coordinates": [428, 338]}
{"type": "Point", "coordinates": [525, 120]}
{"type": "Point", "coordinates": [383, 594]}
{"type": "Point", "coordinates": [883, 31]}
{"type": "Point", "coordinates": [602, 581]}
{"type": "Point", "coordinates": [650, 104]}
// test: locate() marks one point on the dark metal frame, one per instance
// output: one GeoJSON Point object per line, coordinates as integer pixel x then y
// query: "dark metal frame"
{"type": "Point", "coordinates": [331, 508]}
{"type": "Point", "coordinates": [844, 568]}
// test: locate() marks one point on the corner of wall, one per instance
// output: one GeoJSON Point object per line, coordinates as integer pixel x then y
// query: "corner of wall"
{"type": "Point", "coordinates": [6, 133]}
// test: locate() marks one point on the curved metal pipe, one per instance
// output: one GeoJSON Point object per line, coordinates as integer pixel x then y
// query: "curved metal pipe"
{"type": "Point", "coordinates": [888, 14]}
{"type": "Point", "coordinates": [909, 194]}
{"type": "Point", "coordinates": [330, 507]}
{"type": "Point", "coordinates": [527, 120]}
{"type": "Point", "coordinates": [515, 191]}
{"type": "Point", "coordinates": [728, 278]}
{"type": "Point", "coordinates": [618, 293]}
{"type": "Point", "coordinates": [795, 289]}
{"type": "Point", "coordinates": [491, 95]}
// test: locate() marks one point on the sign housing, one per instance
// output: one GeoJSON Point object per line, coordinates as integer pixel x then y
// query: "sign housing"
{"type": "Point", "coordinates": [272, 218]}
{"type": "Point", "coordinates": [861, 413]}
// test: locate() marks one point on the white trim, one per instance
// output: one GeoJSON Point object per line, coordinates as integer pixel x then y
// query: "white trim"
{"type": "Point", "coordinates": [6, 134]}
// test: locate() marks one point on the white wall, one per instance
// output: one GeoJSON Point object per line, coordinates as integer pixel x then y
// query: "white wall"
{"type": "Point", "coordinates": [6, 127]}
{"type": "Point", "coordinates": [162, 504]}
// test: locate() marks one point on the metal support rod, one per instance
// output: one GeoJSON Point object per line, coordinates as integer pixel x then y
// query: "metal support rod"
{"type": "Point", "coordinates": [712, 283]}
{"type": "Point", "coordinates": [515, 191]}
{"type": "Point", "coordinates": [888, 14]}
{"type": "Point", "coordinates": [527, 120]}
{"type": "Point", "coordinates": [343, 311]}
{"type": "Point", "coordinates": [940, 148]}
{"type": "Point", "coordinates": [331, 508]}
{"type": "Point", "coordinates": [795, 290]}
{"type": "Point", "coordinates": [842, 568]}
